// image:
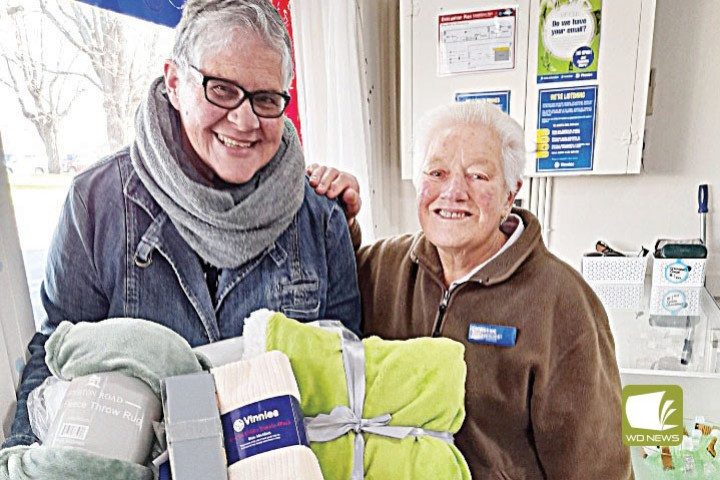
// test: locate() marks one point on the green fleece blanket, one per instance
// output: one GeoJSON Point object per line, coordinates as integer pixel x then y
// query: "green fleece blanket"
{"type": "Point", "coordinates": [138, 348]}
{"type": "Point", "coordinates": [420, 382]}
{"type": "Point", "coordinates": [47, 463]}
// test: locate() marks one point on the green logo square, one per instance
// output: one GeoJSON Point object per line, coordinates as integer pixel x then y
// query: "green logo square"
{"type": "Point", "coordinates": [652, 415]}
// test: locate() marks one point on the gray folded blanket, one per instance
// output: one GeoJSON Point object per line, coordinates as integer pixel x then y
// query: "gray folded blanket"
{"type": "Point", "coordinates": [137, 348]}
{"type": "Point", "coordinates": [48, 463]}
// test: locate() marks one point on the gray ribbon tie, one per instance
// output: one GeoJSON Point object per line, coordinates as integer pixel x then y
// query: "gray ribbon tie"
{"type": "Point", "coordinates": [327, 427]}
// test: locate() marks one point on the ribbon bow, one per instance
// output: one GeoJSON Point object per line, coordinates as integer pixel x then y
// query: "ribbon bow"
{"type": "Point", "coordinates": [341, 419]}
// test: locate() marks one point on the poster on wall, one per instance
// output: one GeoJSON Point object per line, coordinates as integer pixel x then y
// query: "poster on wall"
{"type": "Point", "coordinates": [569, 40]}
{"type": "Point", "coordinates": [477, 41]}
{"type": "Point", "coordinates": [566, 129]}
{"type": "Point", "coordinates": [501, 98]}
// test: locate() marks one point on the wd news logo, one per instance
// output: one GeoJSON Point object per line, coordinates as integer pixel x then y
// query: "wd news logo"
{"type": "Point", "coordinates": [652, 415]}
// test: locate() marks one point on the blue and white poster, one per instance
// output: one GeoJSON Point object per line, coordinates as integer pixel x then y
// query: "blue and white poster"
{"type": "Point", "coordinates": [163, 12]}
{"type": "Point", "coordinates": [500, 98]}
{"type": "Point", "coordinates": [566, 129]}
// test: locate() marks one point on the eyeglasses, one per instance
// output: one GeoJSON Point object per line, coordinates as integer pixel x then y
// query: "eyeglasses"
{"type": "Point", "coordinates": [226, 94]}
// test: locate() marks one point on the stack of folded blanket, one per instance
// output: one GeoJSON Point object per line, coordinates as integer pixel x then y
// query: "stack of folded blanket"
{"type": "Point", "coordinates": [420, 383]}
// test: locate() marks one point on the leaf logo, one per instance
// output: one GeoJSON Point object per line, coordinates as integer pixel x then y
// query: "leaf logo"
{"type": "Point", "coordinates": [649, 411]}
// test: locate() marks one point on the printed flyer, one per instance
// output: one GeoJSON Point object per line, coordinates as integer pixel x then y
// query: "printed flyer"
{"type": "Point", "coordinates": [569, 40]}
{"type": "Point", "coordinates": [566, 129]}
{"type": "Point", "coordinates": [477, 41]}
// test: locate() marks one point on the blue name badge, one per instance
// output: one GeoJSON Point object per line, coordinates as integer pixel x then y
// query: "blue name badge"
{"type": "Point", "coordinates": [498, 335]}
{"type": "Point", "coordinates": [263, 426]}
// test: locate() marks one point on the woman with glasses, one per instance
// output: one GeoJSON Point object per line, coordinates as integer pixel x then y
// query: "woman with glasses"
{"type": "Point", "coordinates": [207, 215]}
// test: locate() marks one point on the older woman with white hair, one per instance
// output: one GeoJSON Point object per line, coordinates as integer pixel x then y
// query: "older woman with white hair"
{"type": "Point", "coordinates": [543, 387]}
{"type": "Point", "coordinates": [207, 216]}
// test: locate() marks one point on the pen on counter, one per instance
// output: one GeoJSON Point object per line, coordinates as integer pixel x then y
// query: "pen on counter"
{"type": "Point", "coordinates": [703, 210]}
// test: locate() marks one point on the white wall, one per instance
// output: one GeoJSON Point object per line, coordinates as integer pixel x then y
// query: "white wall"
{"type": "Point", "coordinates": [681, 152]}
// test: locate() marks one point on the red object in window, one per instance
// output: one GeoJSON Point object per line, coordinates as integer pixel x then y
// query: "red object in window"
{"type": "Point", "coordinates": [283, 7]}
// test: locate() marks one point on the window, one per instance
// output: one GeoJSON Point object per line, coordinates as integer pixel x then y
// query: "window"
{"type": "Point", "coordinates": [71, 77]}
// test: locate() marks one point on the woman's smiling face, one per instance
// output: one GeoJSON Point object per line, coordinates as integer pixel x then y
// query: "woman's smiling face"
{"type": "Point", "coordinates": [236, 143]}
{"type": "Point", "coordinates": [462, 196]}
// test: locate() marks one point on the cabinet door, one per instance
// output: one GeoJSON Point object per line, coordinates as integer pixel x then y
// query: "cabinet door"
{"type": "Point", "coordinates": [626, 28]}
{"type": "Point", "coordinates": [422, 88]}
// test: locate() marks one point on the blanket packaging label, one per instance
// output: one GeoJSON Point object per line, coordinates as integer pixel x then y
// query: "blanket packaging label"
{"type": "Point", "coordinates": [263, 426]}
{"type": "Point", "coordinates": [498, 335]}
{"type": "Point", "coordinates": [108, 414]}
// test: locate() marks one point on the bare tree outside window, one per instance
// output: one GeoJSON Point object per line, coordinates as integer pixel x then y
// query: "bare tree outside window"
{"type": "Point", "coordinates": [63, 59]}
{"type": "Point", "coordinates": [44, 96]}
{"type": "Point", "coordinates": [120, 67]}
{"type": "Point", "coordinates": [71, 77]}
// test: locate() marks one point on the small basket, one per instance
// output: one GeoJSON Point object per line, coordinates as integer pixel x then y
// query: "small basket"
{"type": "Point", "coordinates": [683, 272]}
{"type": "Point", "coordinates": [675, 301]}
{"type": "Point", "coordinates": [606, 269]}
{"type": "Point", "coordinates": [626, 296]}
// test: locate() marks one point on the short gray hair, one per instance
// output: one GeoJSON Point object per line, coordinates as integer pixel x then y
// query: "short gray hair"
{"type": "Point", "coordinates": [209, 24]}
{"type": "Point", "coordinates": [510, 133]}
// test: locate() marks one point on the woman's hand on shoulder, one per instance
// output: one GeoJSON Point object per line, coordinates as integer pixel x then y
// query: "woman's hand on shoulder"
{"type": "Point", "coordinates": [333, 183]}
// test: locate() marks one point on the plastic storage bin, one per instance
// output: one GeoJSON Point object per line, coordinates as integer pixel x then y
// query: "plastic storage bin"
{"type": "Point", "coordinates": [630, 269]}
{"type": "Point", "coordinates": [684, 272]}
{"type": "Point", "coordinates": [620, 296]}
{"type": "Point", "coordinates": [675, 301]}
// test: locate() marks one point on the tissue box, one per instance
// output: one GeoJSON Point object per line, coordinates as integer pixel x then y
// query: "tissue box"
{"type": "Point", "coordinates": [630, 269]}
{"type": "Point", "coordinates": [684, 272]}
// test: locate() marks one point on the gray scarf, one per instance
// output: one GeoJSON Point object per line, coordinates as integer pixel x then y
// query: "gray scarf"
{"type": "Point", "coordinates": [225, 227]}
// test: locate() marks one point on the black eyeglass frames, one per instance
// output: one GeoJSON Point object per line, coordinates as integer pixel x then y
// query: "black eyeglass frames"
{"type": "Point", "coordinates": [226, 94]}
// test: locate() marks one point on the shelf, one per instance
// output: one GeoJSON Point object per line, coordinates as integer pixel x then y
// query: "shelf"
{"type": "Point", "coordinates": [663, 331]}
{"type": "Point", "coordinates": [650, 327]}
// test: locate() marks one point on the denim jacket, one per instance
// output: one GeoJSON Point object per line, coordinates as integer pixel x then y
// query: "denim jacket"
{"type": "Point", "coordinates": [115, 253]}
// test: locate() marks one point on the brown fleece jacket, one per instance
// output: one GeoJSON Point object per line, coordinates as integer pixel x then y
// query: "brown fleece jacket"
{"type": "Point", "coordinates": [548, 407]}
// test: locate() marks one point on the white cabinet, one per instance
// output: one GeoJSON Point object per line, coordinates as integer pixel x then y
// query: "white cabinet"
{"type": "Point", "coordinates": [622, 79]}
{"type": "Point", "coordinates": [623, 70]}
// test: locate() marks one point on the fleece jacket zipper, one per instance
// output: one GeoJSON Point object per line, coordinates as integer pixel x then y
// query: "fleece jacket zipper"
{"type": "Point", "coordinates": [441, 313]}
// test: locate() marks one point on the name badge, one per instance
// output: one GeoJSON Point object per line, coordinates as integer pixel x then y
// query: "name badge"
{"type": "Point", "coordinates": [498, 335]}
